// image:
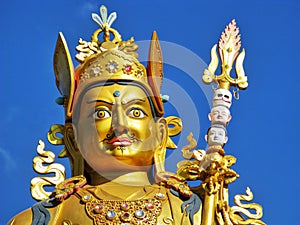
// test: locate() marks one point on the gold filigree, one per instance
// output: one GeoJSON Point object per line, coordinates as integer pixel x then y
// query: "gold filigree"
{"type": "Point", "coordinates": [37, 184]}
{"type": "Point", "coordinates": [217, 172]}
{"type": "Point", "coordinates": [129, 47]}
{"type": "Point", "coordinates": [144, 211]}
{"type": "Point", "coordinates": [85, 49]}
{"type": "Point", "coordinates": [229, 47]}
{"type": "Point", "coordinates": [68, 187]}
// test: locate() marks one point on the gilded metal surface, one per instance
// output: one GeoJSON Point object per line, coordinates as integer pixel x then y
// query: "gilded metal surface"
{"type": "Point", "coordinates": [109, 212]}
{"type": "Point", "coordinates": [174, 128]}
{"type": "Point", "coordinates": [64, 72]}
{"type": "Point", "coordinates": [229, 47]}
{"type": "Point", "coordinates": [38, 183]}
{"type": "Point", "coordinates": [240, 208]}
{"type": "Point", "coordinates": [55, 134]}
{"type": "Point", "coordinates": [72, 152]}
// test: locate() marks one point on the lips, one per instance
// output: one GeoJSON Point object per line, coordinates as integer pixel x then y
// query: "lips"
{"type": "Point", "coordinates": [120, 141]}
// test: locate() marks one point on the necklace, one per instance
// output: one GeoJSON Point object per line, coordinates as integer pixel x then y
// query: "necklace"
{"type": "Point", "coordinates": [144, 210]}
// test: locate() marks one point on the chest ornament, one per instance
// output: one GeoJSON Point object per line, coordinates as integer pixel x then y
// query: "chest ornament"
{"type": "Point", "coordinates": [143, 211]}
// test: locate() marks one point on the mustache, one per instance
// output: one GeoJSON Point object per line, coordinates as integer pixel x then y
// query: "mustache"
{"type": "Point", "coordinates": [109, 137]}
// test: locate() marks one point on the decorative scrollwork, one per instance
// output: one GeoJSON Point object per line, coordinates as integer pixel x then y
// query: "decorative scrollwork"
{"type": "Point", "coordinates": [37, 184]}
{"type": "Point", "coordinates": [239, 214]}
{"type": "Point", "coordinates": [174, 128]}
{"type": "Point", "coordinates": [86, 49]}
{"type": "Point", "coordinates": [168, 220]}
{"type": "Point", "coordinates": [241, 208]}
{"type": "Point", "coordinates": [53, 134]}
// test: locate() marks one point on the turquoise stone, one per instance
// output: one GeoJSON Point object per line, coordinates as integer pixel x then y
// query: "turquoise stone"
{"type": "Point", "coordinates": [117, 93]}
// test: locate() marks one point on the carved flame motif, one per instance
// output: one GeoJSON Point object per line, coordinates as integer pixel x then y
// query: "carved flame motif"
{"type": "Point", "coordinates": [229, 50]}
{"type": "Point", "coordinates": [230, 43]}
{"type": "Point", "coordinates": [37, 184]}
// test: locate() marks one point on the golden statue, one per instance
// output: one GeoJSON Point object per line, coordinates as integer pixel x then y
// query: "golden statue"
{"type": "Point", "coordinates": [116, 137]}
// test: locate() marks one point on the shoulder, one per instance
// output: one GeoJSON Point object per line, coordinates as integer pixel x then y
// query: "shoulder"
{"type": "Point", "coordinates": [52, 212]}
{"type": "Point", "coordinates": [22, 218]}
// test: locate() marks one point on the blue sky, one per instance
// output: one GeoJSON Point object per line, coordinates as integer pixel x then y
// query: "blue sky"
{"type": "Point", "coordinates": [264, 127]}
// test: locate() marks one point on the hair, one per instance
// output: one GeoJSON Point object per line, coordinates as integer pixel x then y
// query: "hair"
{"type": "Point", "coordinates": [217, 126]}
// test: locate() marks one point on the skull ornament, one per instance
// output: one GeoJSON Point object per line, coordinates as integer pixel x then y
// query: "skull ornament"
{"type": "Point", "coordinates": [222, 97]}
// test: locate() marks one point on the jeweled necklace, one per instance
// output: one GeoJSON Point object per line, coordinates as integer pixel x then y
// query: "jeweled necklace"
{"type": "Point", "coordinates": [123, 212]}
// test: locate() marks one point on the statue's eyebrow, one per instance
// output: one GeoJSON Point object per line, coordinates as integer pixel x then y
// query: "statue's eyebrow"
{"type": "Point", "coordinates": [133, 101]}
{"type": "Point", "coordinates": [99, 100]}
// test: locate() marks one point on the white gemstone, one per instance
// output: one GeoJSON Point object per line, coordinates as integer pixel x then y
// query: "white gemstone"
{"type": "Point", "coordinates": [111, 214]}
{"type": "Point", "coordinates": [112, 66]}
{"type": "Point", "coordinates": [139, 213]}
{"type": "Point", "coordinates": [97, 70]}
{"type": "Point", "coordinates": [160, 195]}
{"type": "Point", "coordinates": [86, 197]}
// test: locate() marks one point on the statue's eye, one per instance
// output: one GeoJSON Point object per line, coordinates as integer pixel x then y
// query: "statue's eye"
{"type": "Point", "coordinates": [101, 114]}
{"type": "Point", "coordinates": [136, 113]}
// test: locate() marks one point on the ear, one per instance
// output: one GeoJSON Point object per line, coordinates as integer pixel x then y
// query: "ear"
{"type": "Point", "coordinates": [162, 132]}
{"type": "Point", "coordinates": [205, 137]}
{"type": "Point", "coordinates": [209, 116]}
{"type": "Point", "coordinates": [229, 118]}
{"type": "Point", "coordinates": [225, 140]}
{"type": "Point", "coordinates": [160, 151]}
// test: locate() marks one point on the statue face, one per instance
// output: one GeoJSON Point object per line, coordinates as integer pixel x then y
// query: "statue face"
{"type": "Point", "coordinates": [219, 115]}
{"type": "Point", "coordinates": [116, 129]}
{"type": "Point", "coordinates": [216, 136]}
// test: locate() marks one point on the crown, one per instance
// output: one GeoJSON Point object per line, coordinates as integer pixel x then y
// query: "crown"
{"type": "Point", "coordinates": [109, 59]}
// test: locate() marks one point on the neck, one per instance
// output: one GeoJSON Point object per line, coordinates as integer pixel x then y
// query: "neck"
{"type": "Point", "coordinates": [129, 186]}
{"type": "Point", "coordinates": [132, 179]}
{"type": "Point", "coordinates": [138, 178]}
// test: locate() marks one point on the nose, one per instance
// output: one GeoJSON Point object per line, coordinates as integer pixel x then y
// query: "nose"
{"type": "Point", "coordinates": [119, 120]}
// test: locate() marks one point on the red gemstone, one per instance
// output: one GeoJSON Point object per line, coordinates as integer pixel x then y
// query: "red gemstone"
{"type": "Point", "coordinates": [126, 215]}
{"type": "Point", "coordinates": [128, 69]}
{"type": "Point", "coordinates": [150, 206]}
{"type": "Point", "coordinates": [98, 209]}
{"type": "Point", "coordinates": [124, 206]}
